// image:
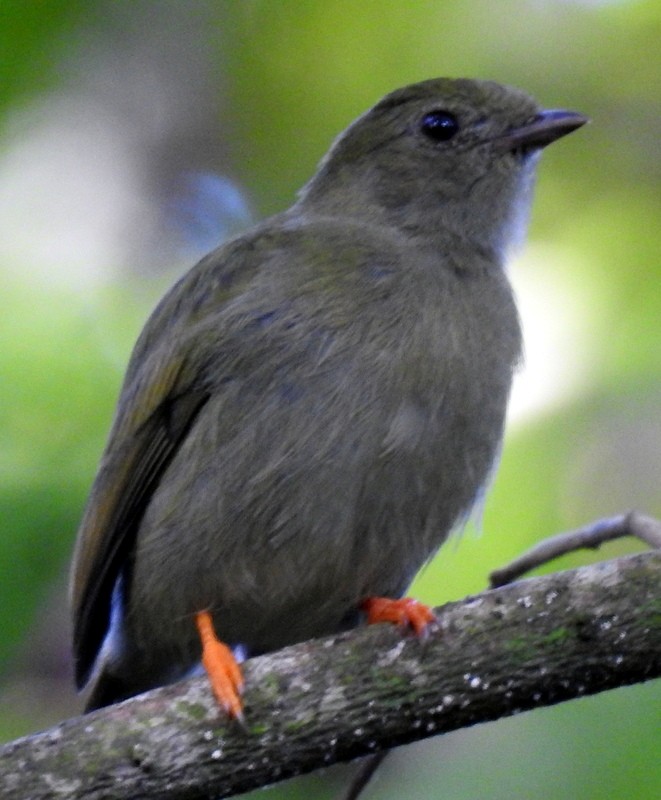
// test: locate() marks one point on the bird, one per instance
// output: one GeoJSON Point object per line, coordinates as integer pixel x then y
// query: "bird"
{"type": "Point", "coordinates": [312, 409]}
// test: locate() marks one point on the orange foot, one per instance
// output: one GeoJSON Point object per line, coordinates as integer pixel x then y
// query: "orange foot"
{"type": "Point", "coordinates": [405, 612]}
{"type": "Point", "coordinates": [224, 673]}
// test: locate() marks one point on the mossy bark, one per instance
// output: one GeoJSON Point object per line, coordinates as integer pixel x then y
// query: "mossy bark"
{"type": "Point", "coordinates": [531, 644]}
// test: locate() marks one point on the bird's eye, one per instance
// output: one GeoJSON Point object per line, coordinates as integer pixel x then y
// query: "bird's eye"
{"type": "Point", "coordinates": [439, 125]}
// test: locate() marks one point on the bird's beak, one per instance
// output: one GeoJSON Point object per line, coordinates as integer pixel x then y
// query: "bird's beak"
{"type": "Point", "coordinates": [544, 128]}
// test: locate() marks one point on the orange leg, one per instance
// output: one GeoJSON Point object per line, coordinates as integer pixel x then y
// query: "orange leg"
{"type": "Point", "coordinates": [224, 673]}
{"type": "Point", "coordinates": [405, 612]}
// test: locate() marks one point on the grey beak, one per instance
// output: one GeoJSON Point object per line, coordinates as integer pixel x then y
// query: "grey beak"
{"type": "Point", "coordinates": [544, 128]}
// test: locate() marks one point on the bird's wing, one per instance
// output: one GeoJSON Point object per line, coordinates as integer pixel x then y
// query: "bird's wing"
{"type": "Point", "coordinates": [156, 409]}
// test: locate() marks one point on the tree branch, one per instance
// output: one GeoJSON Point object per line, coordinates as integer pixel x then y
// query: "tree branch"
{"type": "Point", "coordinates": [531, 644]}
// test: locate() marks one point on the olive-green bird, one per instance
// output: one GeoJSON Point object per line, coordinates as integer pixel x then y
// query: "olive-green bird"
{"type": "Point", "coordinates": [311, 409]}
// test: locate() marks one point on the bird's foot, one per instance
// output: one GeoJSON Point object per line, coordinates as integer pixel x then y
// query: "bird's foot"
{"type": "Point", "coordinates": [404, 611]}
{"type": "Point", "coordinates": [222, 668]}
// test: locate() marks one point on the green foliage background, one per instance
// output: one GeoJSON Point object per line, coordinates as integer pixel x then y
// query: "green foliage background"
{"type": "Point", "coordinates": [291, 75]}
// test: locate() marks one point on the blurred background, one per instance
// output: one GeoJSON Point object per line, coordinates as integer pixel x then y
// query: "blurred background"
{"type": "Point", "coordinates": [136, 136]}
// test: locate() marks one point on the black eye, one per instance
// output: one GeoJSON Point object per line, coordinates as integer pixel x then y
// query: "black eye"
{"type": "Point", "coordinates": [439, 125]}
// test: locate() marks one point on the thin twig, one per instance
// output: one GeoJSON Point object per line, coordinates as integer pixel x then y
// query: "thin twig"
{"type": "Point", "coordinates": [368, 766]}
{"type": "Point", "coordinates": [590, 537]}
